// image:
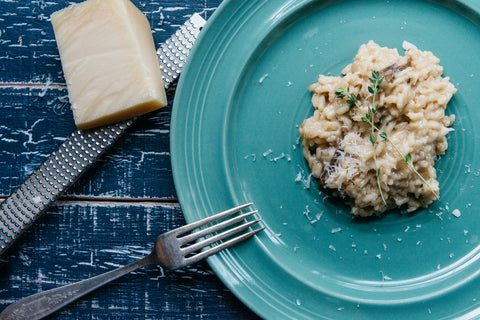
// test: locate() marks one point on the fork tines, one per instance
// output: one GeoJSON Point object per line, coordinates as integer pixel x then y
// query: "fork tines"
{"type": "Point", "coordinates": [232, 235]}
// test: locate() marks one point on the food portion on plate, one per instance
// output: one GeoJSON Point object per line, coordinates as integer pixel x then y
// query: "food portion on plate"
{"type": "Point", "coordinates": [377, 131]}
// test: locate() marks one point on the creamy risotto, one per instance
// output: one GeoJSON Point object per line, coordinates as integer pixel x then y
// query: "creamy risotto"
{"type": "Point", "coordinates": [411, 99]}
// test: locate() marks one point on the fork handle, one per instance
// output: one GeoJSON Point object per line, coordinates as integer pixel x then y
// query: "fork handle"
{"type": "Point", "coordinates": [45, 303]}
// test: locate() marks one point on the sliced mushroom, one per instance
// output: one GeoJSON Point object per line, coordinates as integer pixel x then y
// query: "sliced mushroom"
{"type": "Point", "coordinates": [334, 160]}
{"type": "Point", "coordinates": [389, 72]}
{"type": "Point", "coordinates": [330, 167]}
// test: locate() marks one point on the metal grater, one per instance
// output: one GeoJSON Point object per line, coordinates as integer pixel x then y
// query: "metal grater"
{"type": "Point", "coordinates": [82, 149]}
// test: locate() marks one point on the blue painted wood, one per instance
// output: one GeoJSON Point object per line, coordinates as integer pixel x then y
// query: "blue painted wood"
{"type": "Point", "coordinates": [112, 215]}
{"type": "Point", "coordinates": [28, 52]}
{"type": "Point", "coordinates": [78, 240]}
{"type": "Point", "coordinates": [36, 120]}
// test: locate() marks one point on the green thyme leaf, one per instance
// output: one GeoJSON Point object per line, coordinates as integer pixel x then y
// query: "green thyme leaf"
{"type": "Point", "coordinates": [352, 100]}
{"type": "Point", "coordinates": [408, 157]}
{"type": "Point", "coordinates": [340, 93]}
{"type": "Point", "coordinates": [379, 80]}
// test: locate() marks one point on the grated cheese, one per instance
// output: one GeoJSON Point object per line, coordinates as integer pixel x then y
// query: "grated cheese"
{"type": "Point", "coordinates": [336, 230]}
{"type": "Point", "coordinates": [407, 45]}
{"type": "Point", "coordinates": [262, 78]}
{"type": "Point", "coordinates": [266, 153]}
{"type": "Point", "coordinates": [456, 213]}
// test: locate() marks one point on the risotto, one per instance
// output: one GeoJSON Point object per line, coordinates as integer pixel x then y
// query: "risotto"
{"type": "Point", "coordinates": [387, 162]}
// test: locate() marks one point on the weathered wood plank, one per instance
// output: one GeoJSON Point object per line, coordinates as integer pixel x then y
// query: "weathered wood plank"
{"type": "Point", "coordinates": [34, 121]}
{"type": "Point", "coordinates": [76, 241]}
{"type": "Point", "coordinates": [28, 52]}
{"type": "Point", "coordinates": [79, 239]}
{"type": "Point", "coordinates": [32, 79]}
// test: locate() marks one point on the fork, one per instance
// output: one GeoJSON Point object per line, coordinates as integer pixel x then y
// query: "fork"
{"type": "Point", "coordinates": [173, 250]}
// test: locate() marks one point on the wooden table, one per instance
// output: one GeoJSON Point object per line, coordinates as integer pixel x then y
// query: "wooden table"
{"type": "Point", "coordinates": [113, 214]}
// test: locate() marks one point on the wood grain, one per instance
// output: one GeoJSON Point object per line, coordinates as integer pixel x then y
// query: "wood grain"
{"type": "Point", "coordinates": [112, 215]}
{"type": "Point", "coordinates": [28, 51]}
{"type": "Point", "coordinates": [78, 240]}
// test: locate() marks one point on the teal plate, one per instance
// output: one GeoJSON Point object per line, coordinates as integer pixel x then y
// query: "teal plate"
{"type": "Point", "coordinates": [234, 139]}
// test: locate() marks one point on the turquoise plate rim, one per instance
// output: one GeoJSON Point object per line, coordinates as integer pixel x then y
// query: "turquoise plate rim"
{"type": "Point", "coordinates": [283, 293]}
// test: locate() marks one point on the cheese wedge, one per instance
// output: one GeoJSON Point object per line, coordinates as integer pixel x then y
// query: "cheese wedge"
{"type": "Point", "coordinates": [109, 61]}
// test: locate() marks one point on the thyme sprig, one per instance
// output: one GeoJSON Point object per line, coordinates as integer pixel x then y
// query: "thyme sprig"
{"type": "Point", "coordinates": [369, 118]}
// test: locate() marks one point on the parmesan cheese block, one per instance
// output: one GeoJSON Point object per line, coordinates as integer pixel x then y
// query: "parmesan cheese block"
{"type": "Point", "coordinates": [109, 61]}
